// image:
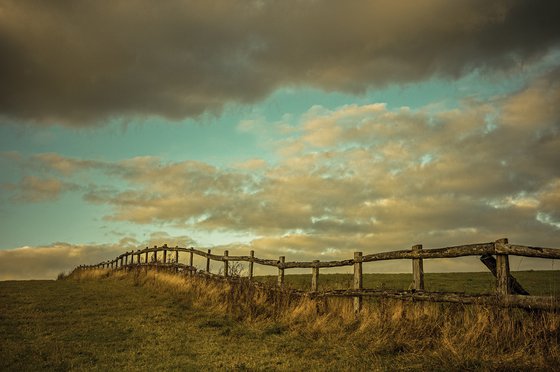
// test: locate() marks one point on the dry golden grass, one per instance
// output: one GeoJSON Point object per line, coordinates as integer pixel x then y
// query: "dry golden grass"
{"type": "Point", "coordinates": [411, 335]}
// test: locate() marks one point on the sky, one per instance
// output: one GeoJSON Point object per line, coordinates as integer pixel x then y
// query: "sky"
{"type": "Point", "coordinates": [309, 129]}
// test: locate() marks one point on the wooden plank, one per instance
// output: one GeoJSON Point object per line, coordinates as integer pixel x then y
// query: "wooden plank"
{"type": "Point", "coordinates": [417, 270]}
{"type": "Point", "coordinates": [526, 302]}
{"type": "Point", "coordinates": [281, 259]}
{"type": "Point", "coordinates": [358, 281]}
{"type": "Point", "coordinates": [526, 251]}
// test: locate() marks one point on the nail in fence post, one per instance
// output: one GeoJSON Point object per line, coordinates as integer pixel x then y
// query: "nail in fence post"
{"type": "Point", "coordinates": [226, 264]}
{"type": "Point", "coordinates": [417, 270]}
{"type": "Point", "coordinates": [282, 259]}
{"type": "Point", "coordinates": [315, 277]}
{"type": "Point", "coordinates": [358, 281]}
{"type": "Point", "coordinates": [502, 270]}
{"type": "Point", "coordinates": [252, 255]}
{"type": "Point", "coordinates": [208, 261]}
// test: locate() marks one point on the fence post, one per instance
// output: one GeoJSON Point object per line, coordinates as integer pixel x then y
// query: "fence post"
{"type": "Point", "coordinates": [138, 257]}
{"type": "Point", "coordinates": [146, 258]}
{"type": "Point", "coordinates": [208, 261]}
{"type": "Point", "coordinates": [191, 261]}
{"type": "Point", "coordinates": [315, 277]}
{"type": "Point", "coordinates": [164, 254]}
{"type": "Point", "coordinates": [417, 270]}
{"type": "Point", "coordinates": [358, 281]}
{"type": "Point", "coordinates": [502, 271]}
{"type": "Point", "coordinates": [177, 258]}
{"type": "Point", "coordinates": [126, 259]}
{"type": "Point", "coordinates": [252, 255]}
{"type": "Point", "coordinates": [226, 264]}
{"type": "Point", "coordinates": [282, 259]}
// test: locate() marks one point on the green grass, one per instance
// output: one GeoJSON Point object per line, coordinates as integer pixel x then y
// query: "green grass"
{"type": "Point", "coordinates": [538, 283]}
{"type": "Point", "coordinates": [162, 322]}
{"type": "Point", "coordinates": [114, 325]}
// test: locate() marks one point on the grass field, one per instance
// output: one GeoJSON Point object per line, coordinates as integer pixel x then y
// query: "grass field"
{"type": "Point", "coordinates": [163, 322]}
{"type": "Point", "coordinates": [538, 283]}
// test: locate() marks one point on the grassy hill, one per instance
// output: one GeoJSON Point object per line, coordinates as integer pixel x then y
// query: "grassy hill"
{"type": "Point", "coordinates": [162, 322]}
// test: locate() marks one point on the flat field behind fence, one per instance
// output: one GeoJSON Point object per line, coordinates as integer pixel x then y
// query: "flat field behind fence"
{"type": "Point", "coordinates": [163, 322]}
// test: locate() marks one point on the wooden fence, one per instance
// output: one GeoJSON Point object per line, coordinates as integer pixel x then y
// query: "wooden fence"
{"type": "Point", "coordinates": [508, 292]}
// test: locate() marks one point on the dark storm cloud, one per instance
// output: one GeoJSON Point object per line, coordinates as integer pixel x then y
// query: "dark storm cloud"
{"type": "Point", "coordinates": [80, 63]}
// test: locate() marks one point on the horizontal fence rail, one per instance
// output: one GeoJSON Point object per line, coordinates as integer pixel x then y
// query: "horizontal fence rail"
{"type": "Point", "coordinates": [508, 291]}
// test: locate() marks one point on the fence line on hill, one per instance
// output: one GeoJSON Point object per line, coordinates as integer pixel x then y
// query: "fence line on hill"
{"type": "Point", "coordinates": [508, 292]}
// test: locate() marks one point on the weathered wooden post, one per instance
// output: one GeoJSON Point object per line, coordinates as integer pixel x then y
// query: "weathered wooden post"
{"type": "Point", "coordinates": [191, 261]}
{"type": "Point", "coordinates": [281, 260]}
{"type": "Point", "coordinates": [315, 276]}
{"type": "Point", "coordinates": [252, 255]}
{"type": "Point", "coordinates": [138, 257]}
{"type": "Point", "coordinates": [208, 261]}
{"type": "Point", "coordinates": [515, 288]}
{"type": "Point", "coordinates": [226, 264]}
{"type": "Point", "coordinates": [164, 254]}
{"type": "Point", "coordinates": [417, 270]}
{"type": "Point", "coordinates": [126, 259]}
{"type": "Point", "coordinates": [146, 261]}
{"type": "Point", "coordinates": [502, 270]}
{"type": "Point", "coordinates": [358, 281]}
{"type": "Point", "coordinates": [155, 254]}
{"type": "Point", "coordinates": [176, 258]}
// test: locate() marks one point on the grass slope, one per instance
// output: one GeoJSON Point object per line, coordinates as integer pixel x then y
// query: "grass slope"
{"type": "Point", "coordinates": [163, 322]}
{"type": "Point", "coordinates": [114, 325]}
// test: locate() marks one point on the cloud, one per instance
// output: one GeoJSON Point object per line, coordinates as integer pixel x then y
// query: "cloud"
{"type": "Point", "coordinates": [386, 179]}
{"type": "Point", "coordinates": [32, 189]}
{"type": "Point", "coordinates": [91, 62]}
{"type": "Point", "coordinates": [46, 262]}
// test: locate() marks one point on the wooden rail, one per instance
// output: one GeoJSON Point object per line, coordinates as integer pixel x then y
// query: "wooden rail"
{"type": "Point", "coordinates": [507, 289]}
